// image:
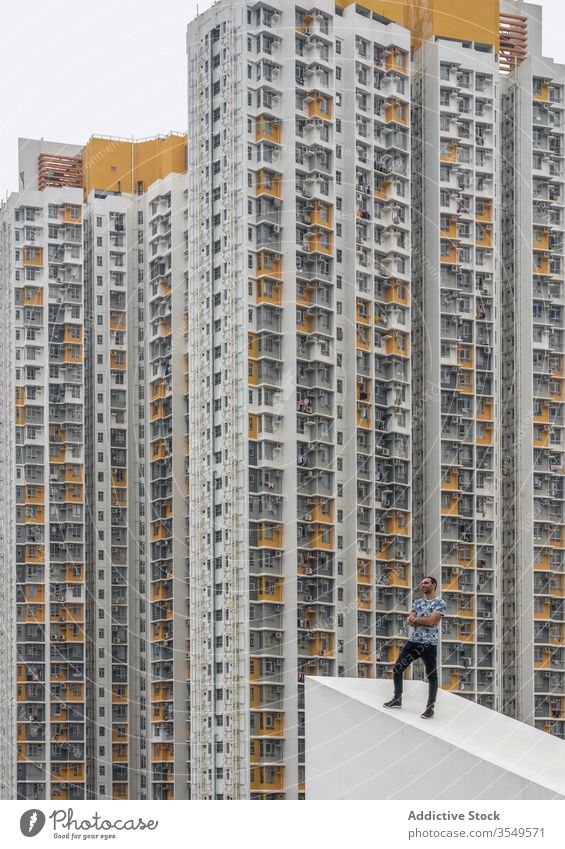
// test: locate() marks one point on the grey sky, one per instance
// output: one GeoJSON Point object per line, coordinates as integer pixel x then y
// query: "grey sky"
{"type": "Point", "coordinates": [116, 67]}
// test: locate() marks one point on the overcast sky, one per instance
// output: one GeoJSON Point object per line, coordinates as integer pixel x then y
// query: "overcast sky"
{"type": "Point", "coordinates": [115, 67]}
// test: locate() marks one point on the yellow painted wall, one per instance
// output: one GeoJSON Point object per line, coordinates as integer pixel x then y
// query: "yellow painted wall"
{"type": "Point", "coordinates": [118, 165]}
{"type": "Point", "coordinates": [458, 19]}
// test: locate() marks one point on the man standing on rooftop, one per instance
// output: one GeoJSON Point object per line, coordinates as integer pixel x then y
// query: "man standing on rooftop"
{"type": "Point", "coordinates": [424, 619]}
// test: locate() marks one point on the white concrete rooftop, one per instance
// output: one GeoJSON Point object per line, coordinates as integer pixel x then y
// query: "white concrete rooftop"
{"type": "Point", "coordinates": [357, 749]}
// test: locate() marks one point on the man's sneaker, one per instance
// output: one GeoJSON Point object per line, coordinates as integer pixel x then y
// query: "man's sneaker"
{"type": "Point", "coordinates": [394, 702]}
{"type": "Point", "coordinates": [428, 713]}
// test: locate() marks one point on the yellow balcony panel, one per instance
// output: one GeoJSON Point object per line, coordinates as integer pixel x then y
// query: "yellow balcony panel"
{"type": "Point", "coordinates": [484, 238]}
{"type": "Point", "coordinates": [34, 554]}
{"type": "Point", "coordinates": [467, 612]}
{"type": "Point", "coordinates": [34, 494]}
{"type": "Point", "coordinates": [157, 410]}
{"type": "Point", "coordinates": [322, 215]}
{"type": "Point", "coordinates": [120, 753]}
{"type": "Point", "coordinates": [541, 240]}
{"type": "Point", "coordinates": [452, 482]}
{"type": "Point", "coordinates": [544, 662]}
{"type": "Point", "coordinates": [449, 254]}
{"type": "Point", "coordinates": [20, 395]}
{"type": "Point", "coordinates": [73, 474]}
{"type": "Point", "coordinates": [319, 106]}
{"type": "Point", "coordinates": [33, 613]}
{"type": "Point", "coordinates": [34, 516]}
{"type": "Point", "coordinates": [397, 524]}
{"type": "Point", "coordinates": [57, 454]}
{"type": "Point", "coordinates": [118, 360]}
{"type": "Point", "coordinates": [254, 698]}
{"type": "Point", "coordinates": [269, 265]}
{"type": "Point", "coordinates": [322, 645]}
{"type": "Point", "coordinates": [484, 413]}
{"type": "Point", "coordinates": [119, 793]}
{"type": "Point", "coordinates": [486, 438]}
{"type": "Point", "coordinates": [484, 213]}
{"type": "Point", "coordinates": [397, 112]}
{"type": "Point", "coordinates": [542, 441]}
{"type": "Point", "coordinates": [73, 494]}
{"type": "Point", "coordinates": [543, 611]}
{"type": "Point", "coordinates": [397, 344]}
{"type": "Point", "coordinates": [162, 752]}
{"type": "Point", "coordinates": [159, 531]}
{"type": "Point", "coordinates": [74, 693]}
{"type": "Point", "coordinates": [452, 508]}
{"type": "Point", "coordinates": [465, 383]}
{"type": "Point", "coordinates": [268, 183]}
{"type": "Point", "coordinates": [320, 242]}
{"type": "Point", "coordinates": [382, 188]}
{"type": "Point", "coordinates": [304, 321]}
{"type": "Point", "coordinates": [72, 214]}
{"type": "Point", "coordinates": [323, 511]}
{"type": "Point", "coordinates": [269, 589]}
{"type": "Point", "coordinates": [117, 320]}
{"type": "Point", "coordinates": [67, 772]}
{"type": "Point", "coordinates": [542, 561]}
{"type": "Point", "coordinates": [119, 477]}
{"type": "Point", "coordinates": [20, 416]}
{"type": "Point", "coordinates": [269, 536]}
{"type": "Point", "coordinates": [396, 293]}
{"type": "Point", "coordinates": [321, 538]}
{"type": "Point", "coordinates": [161, 591]}
{"type": "Point", "coordinates": [33, 297]}
{"type": "Point", "coordinates": [266, 779]}
{"type": "Point", "coordinates": [453, 684]}
{"type": "Point", "coordinates": [363, 312]}
{"type": "Point", "coordinates": [72, 353]}
{"type": "Point", "coordinates": [465, 356]}
{"type": "Point", "coordinates": [252, 348]}
{"type": "Point", "coordinates": [397, 61]}
{"type": "Point", "coordinates": [267, 128]}
{"type": "Point", "coordinates": [160, 631]}
{"type": "Point", "coordinates": [119, 694]}
{"type": "Point", "coordinates": [363, 417]}
{"type": "Point", "coordinates": [157, 389]}
{"type": "Point", "coordinates": [73, 334]}
{"type": "Point", "coordinates": [541, 265]}
{"type": "Point", "coordinates": [159, 450]}
{"type": "Point", "coordinates": [253, 432]}
{"type": "Point", "coordinates": [449, 152]}
{"type": "Point", "coordinates": [466, 633]}
{"type": "Point", "coordinates": [542, 93]}
{"type": "Point", "coordinates": [33, 256]}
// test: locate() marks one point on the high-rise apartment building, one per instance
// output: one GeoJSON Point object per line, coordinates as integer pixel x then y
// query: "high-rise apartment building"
{"type": "Point", "coordinates": [254, 397]}
{"type": "Point", "coordinates": [88, 243]}
{"type": "Point", "coordinates": [532, 355]}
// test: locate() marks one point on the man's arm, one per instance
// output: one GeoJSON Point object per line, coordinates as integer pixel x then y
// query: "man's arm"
{"type": "Point", "coordinates": [427, 620]}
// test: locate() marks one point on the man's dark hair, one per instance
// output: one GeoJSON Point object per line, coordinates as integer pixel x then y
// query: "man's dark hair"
{"type": "Point", "coordinates": [433, 580]}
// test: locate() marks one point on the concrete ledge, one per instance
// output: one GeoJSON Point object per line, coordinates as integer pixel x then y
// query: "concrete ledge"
{"type": "Point", "coordinates": [356, 749]}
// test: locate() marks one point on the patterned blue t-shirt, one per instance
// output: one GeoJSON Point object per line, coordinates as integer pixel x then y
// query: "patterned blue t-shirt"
{"type": "Point", "coordinates": [424, 608]}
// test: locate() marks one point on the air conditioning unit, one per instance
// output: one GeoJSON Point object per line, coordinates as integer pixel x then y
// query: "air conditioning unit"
{"type": "Point", "coordinates": [278, 635]}
{"type": "Point", "coordinates": [385, 452]}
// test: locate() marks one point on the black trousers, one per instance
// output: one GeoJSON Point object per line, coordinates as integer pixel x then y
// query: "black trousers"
{"type": "Point", "coordinates": [411, 652]}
